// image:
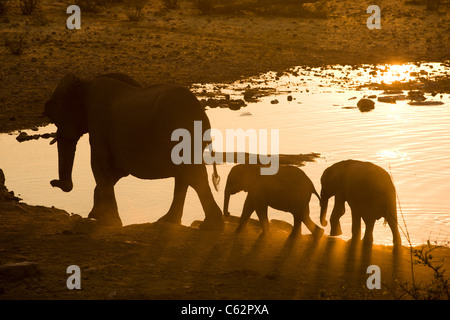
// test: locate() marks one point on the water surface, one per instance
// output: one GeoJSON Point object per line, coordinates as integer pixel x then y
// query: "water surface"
{"type": "Point", "coordinates": [411, 142]}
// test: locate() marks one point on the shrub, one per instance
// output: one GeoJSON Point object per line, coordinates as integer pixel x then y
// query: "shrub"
{"type": "Point", "coordinates": [438, 287]}
{"type": "Point", "coordinates": [433, 5]}
{"type": "Point", "coordinates": [170, 4]}
{"type": "Point", "coordinates": [87, 5]}
{"type": "Point", "coordinates": [135, 8]}
{"type": "Point", "coordinates": [39, 18]}
{"type": "Point", "coordinates": [205, 6]}
{"type": "Point", "coordinates": [4, 6]}
{"type": "Point", "coordinates": [28, 6]}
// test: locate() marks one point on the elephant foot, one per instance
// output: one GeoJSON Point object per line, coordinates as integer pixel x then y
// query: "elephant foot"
{"type": "Point", "coordinates": [318, 233]}
{"type": "Point", "coordinates": [336, 231]}
{"type": "Point", "coordinates": [106, 220]}
{"type": "Point", "coordinates": [241, 229]}
{"type": "Point", "coordinates": [216, 224]}
{"type": "Point", "coordinates": [367, 241]}
{"type": "Point", "coordinates": [169, 218]}
{"type": "Point", "coordinates": [109, 222]}
{"type": "Point", "coordinates": [294, 235]}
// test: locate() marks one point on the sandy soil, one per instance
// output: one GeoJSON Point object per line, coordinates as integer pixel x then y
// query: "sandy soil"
{"type": "Point", "coordinates": [164, 261]}
{"type": "Point", "coordinates": [158, 261]}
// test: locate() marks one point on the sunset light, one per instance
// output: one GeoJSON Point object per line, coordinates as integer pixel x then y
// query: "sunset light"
{"type": "Point", "coordinates": [393, 73]}
{"type": "Point", "coordinates": [229, 154]}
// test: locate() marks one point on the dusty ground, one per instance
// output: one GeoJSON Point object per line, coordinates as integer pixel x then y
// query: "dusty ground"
{"type": "Point", "coordinates": [163, 261]}
{"type": "Point", "coordinates": [152, 261]}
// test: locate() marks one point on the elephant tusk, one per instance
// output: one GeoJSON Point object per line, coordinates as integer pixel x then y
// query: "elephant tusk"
{"type": "Point", "coordinates": [54, 140]}
{"type": "Point", "coordinates": [216, 181]}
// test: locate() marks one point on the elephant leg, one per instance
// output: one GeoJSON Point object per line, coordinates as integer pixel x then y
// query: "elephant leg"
{"type": "Point", "coordinates": [176, 209]}
{"type": "Point", "coordinates": [247, 211]}
{"type": "Point", "coordinates": [356, 225]}
{"type": "Point", "coordinates": [261, 211]}
{"type": "Point", "coordinates": [393, 224]}
{"type": "Point", "coordinates": [213, 214]}
{"type": "Point", "coordinates": [368, 234]}
{"type": "Point", "coordinates": [297, 229]}
{"type": "Point", "coordinates": [97, 210]}
{"type": "Point", "coordinates": [105, 209]}
{"type": "Point", "coordinates": [315, 230]}
{"type": "Point", "coordinates": [338, 212]}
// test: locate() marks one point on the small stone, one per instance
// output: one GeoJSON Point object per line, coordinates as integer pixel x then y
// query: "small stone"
{"type": "Point", "coordinates": [2, 178]}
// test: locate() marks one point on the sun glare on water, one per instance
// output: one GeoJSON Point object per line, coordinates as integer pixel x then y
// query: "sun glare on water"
{"type": "Point", "coordinates": [394, 73]}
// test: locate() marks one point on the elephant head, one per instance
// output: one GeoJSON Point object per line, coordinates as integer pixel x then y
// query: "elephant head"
{"type": "Point", "coordinates": [331, 181]}
{"type": "Point", "coordinates": [66, 110]}
{"type": "Point", "coordinates": [240, 178]}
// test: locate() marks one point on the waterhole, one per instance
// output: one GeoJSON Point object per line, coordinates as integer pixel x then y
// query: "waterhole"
{"type": "Point", "coordinates": [315, 110]}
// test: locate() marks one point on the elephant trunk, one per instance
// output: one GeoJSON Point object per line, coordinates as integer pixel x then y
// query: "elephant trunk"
{"type": "Point", "coordinates": [323, 210]}
{"type": "Point", "coordinates": [66, 155]}
{"type": "Point", "coordinates": [226, 202]}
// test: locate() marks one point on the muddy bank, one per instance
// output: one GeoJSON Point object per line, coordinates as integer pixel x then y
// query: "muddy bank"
{"type": "Point", "coordinates": [163, 261]}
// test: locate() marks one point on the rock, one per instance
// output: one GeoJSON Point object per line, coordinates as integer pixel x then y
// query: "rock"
{"type": "Point", "coordinates": [391, 92]}
{"type": "Point", "coordinates": [249, 95]}
{"type": "Point", "coordinates": [2, 178]}
{"type": "Point", "coordinates": [425, 103]}
{"type": "Point", "coordinates": [6, 195]}
{"type": "Point", "coordinates": [275, 101]}
{"type": "Point", "coordinates": [289, 98]}
{"type": "Point", "coordinates": [373, 96]}
{"type": "Point", "coordinates": [416, 96]}
{"type": "Point", "coordinates": [236, 104]}
{"type": "Point", "coordinates": [365, 105]}
{"type": "Point", "coordinates": [18, 271]}
{"type": "Point", "coordinates": [23, 136]}
{"type": "Point", "coordinates": [387, 99]}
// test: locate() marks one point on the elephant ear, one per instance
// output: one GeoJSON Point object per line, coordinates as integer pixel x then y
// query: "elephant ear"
{"type": "Point", "coordinates": [65, 109]}
{"type": "Point", "coordinates": [332, 179]}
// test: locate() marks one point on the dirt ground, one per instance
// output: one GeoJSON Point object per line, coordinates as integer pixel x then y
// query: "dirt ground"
{"type": "Point", "coordinates": [159, 261]}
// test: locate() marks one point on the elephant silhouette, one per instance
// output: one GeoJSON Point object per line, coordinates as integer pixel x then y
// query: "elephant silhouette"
{"type": "Point", "coordinates": [288, 190]}
{"type": "Point", "coordinates": [370, 193]}
{"type": "Point", "coordinates": [130, 131]}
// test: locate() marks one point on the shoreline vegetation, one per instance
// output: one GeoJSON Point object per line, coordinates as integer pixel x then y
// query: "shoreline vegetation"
{"type": "Point", "coordinates": [187, 46]}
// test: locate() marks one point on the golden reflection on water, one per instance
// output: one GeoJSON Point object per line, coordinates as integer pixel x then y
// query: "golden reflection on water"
{"type": "Point", "coordinates": [392, 73]}
{"type": "Point", "coordinates": [393, 154]}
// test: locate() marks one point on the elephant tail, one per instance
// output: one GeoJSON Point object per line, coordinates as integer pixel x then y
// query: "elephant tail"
{"type": "Point", "coordinates": [315, 192]}
{"type": "Point", "coordinates": [215, 175]}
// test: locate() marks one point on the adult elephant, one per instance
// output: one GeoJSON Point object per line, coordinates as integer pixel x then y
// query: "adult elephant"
{"type": "Point", "coordinates": [130, 130]}
{"type": "Point", "coordinates": [370, 193]}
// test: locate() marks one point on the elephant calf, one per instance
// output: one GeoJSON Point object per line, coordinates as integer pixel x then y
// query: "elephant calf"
{"type": "Point", "coordinates": [288, 190]}
{"type": "Point", "coordinates": [370, 193]}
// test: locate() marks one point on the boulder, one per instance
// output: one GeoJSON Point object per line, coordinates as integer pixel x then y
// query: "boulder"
{"type": "Point", "coordinates": [365, 105]}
